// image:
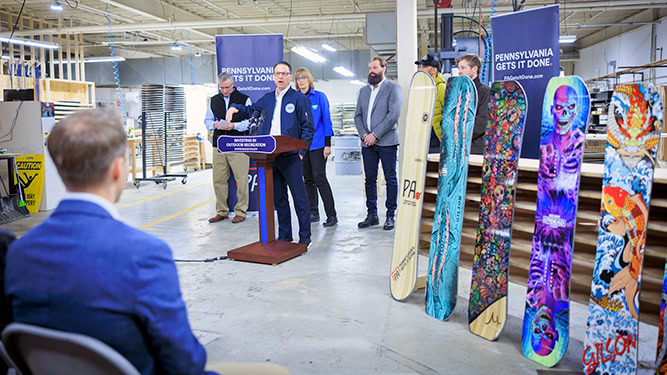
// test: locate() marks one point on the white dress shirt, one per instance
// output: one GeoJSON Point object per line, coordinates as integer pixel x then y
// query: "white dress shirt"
{"type": "Point", "coordinates": [209, 118]}
{"type": "Point", "coordinates": [374, 93]}
{"type": "Point", "coordinates": [96, 199]}
{"type": "Point", "coordinates": [275, 122]}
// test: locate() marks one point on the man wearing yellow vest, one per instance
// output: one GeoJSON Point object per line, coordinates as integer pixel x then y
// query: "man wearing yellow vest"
{"type": "Point", "coordinates": [431, 65]}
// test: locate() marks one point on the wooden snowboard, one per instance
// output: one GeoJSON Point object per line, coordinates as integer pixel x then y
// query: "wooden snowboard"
{"type": "Point", "coordinates": [458, 118]}
{"type": "Point", "coordinates": [421, 101]}
{"type": "Point", "coordinates": [546, 319]}
{"type": "Point", "coordinates": [633, 133]}
{"type": "Point", "coordinates": [487, 308]}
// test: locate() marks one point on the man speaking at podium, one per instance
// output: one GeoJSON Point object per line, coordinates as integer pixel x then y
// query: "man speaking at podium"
{"type": "Point", "coordinates": [291, 115]}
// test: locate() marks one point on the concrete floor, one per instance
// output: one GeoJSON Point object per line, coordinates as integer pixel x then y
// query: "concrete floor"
{"type": "Point", "coordinates": [328, 311]}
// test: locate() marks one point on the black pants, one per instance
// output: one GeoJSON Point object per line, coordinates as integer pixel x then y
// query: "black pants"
{"type": "Point", "coordinates": [315, 178]}
{"type": "Point", "coordinates": [286, 174]}
{"type": "Point", "coordinates": [372, 156]}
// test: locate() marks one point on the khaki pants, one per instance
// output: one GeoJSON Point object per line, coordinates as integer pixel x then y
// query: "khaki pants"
{"type": "Point", "coordinates": [240, 368]}
{"type": "Point", "coordinates": [239, 164]}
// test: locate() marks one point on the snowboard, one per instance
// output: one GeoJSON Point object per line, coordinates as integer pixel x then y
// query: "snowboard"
{"type": "Point", "coordinates": [458, 117]}
{"type": "Point", "coordinates": [546, 319]}
{"type": "Point", "coordinates": [421, 101]}
{"type": "Point", "coordinates": [633, 133]}
{"type": "Point", "coordinates": [487, 306]}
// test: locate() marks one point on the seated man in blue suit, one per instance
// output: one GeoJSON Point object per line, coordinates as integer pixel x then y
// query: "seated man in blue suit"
{"type": "Point", "coordinates": [83, 270]}
{"type": "Point", "coordinates": [292, 116]}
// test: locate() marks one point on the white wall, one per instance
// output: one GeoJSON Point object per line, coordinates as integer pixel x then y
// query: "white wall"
{"type": "Point", "coordinates": [630, 49]}
{"type": "Point", "coordinates": [107, 97]}
{"type": "Point", "coordinates": [661, 30]}
{"type": "Point", "coordinates": [196, 103]}
{"type": "Point", "coordinates": [338, 90]}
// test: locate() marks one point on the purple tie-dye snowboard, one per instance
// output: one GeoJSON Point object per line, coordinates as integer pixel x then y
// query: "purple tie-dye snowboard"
{"type": "Point", "coordinates": [547, 315]}
{"type": "Point", "coordinates": [633, 132]}
{"type": "Point", "coordinates": [487, 307]}
{"type": "Point", "coordinates": [458, 117]}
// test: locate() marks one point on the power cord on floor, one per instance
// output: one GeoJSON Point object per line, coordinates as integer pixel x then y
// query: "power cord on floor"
{"type": "Point", "coordinates": [207, 260]}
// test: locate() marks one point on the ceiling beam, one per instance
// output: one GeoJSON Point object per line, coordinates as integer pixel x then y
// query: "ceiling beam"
{"type": "Point", "coordinates": [598, 36]}
{"type": "Point", "coordinates": [200, 23]}
{"type": "Point", "coordinates": [255, 22]}
{"type": "Point", "coordinates": [159, 11]}
{"type": "Point", "coordinates": [285, 10]}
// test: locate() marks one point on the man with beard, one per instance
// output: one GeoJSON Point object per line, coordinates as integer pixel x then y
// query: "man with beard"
{"type": "Point", "coordinates": [470, 66]}
{"type": "Point", "coordinates": [376, 118]}
{"type": "Point", "coordinates": [291, 114]}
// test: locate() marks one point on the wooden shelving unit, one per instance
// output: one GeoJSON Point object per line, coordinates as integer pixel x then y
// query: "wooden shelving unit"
{"type": "Point", "coordinates": [586, 233]}
{"type": "Point", "coordinates": [191, 153]}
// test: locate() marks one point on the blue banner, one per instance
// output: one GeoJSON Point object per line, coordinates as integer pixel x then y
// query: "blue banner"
{"type": "Point", "coordinates": [525, 49]}
{"type": "Point", "coordinates": [250, 59]}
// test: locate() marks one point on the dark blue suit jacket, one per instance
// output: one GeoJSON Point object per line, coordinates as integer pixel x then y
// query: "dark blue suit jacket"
{"type": "Point", "coordinates": [297, 123]}
{"type": "Point", "coordinates": [83, 271]}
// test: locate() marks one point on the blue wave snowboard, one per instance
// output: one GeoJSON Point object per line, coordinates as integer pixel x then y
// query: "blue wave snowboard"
{"type": "Point", "coordinates": [458, 118]}
{"type": "Point", "coordinates": [546, 320]}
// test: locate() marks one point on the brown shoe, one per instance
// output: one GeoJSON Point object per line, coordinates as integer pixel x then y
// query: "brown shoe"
{"type": "Point", "coordinates": [238, 219]}
{"type": "Point", "coordinates": [217, 218]}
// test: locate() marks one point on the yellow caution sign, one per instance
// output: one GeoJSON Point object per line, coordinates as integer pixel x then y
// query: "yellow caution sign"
{"type": "Point", "coordinates": [31, 175]}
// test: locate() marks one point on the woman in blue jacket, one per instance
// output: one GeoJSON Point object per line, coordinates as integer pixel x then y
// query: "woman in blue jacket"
{"type": "Point", "coordinates": [315, 160]}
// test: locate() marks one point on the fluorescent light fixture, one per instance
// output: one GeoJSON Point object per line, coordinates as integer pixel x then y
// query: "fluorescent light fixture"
{"type": "Point", "coordinates": [308, 53]}
{"type": "Point", "coordinates": [96, 59]}
{"type": "Point", "coordinates": [342, 71]}
{"type": "Point", "coordinates": [29, 42]}
{"type": "Point", "coordinates": [567, 39]}
{"type": "Point", "coordinates": [328, 47]}
{"type": "Point", "coordinates": [56, 7]}
{"type": "Point", "coordinates": [358, 82]}
{"type": "Point", "coordinates": [104, 59]}
{"type": "Point", "coordinates": [176, 47]}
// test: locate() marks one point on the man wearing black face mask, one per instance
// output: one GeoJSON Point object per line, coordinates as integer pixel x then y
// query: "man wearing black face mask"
{"type": "Point", "coordinates": [376, 118]}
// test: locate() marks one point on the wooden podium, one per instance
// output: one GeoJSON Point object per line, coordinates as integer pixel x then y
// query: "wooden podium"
{"type": "Point", "coordinates": [263, 150]}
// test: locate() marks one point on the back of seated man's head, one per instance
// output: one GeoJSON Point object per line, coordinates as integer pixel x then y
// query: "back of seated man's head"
{"type": "Point", "coordinates": [89, 149]}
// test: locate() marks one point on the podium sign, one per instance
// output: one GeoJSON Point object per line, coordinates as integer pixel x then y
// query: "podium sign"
{"type": "Point", "coordinates": [264, 144]}
{"type": "Point", "coordinates": [263, 149]}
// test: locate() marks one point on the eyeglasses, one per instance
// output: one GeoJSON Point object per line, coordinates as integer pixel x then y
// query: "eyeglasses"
{"type": "Point", "coordinates": [301, 78]}
{"type": "Point", "coordinates": [281, 74]}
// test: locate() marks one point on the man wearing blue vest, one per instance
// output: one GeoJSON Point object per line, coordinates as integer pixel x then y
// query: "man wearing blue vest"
{"type": "Point", "coordinates": [290, 114]}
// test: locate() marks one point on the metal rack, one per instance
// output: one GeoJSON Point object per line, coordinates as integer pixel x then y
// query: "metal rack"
{"type": "Point", "coordinates": [162, 132]}
{"type": "Point", "coordinates": [342, 118]}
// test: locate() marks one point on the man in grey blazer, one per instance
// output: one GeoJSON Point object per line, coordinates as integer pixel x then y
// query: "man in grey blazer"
{"type": "Point", "coordinates": [376, 118]}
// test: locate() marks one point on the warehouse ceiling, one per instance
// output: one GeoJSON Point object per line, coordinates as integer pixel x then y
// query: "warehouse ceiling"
{"type": "Point", "coordinates": [148, 28]}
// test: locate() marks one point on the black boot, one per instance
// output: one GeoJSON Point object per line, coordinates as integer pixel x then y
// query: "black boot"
{"type": "Point", "coordinates": [389, 223]}
{"type": "Point", "coordinates": [370, 220]}
{"type": "Point", "coordinates": [331, 221]}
